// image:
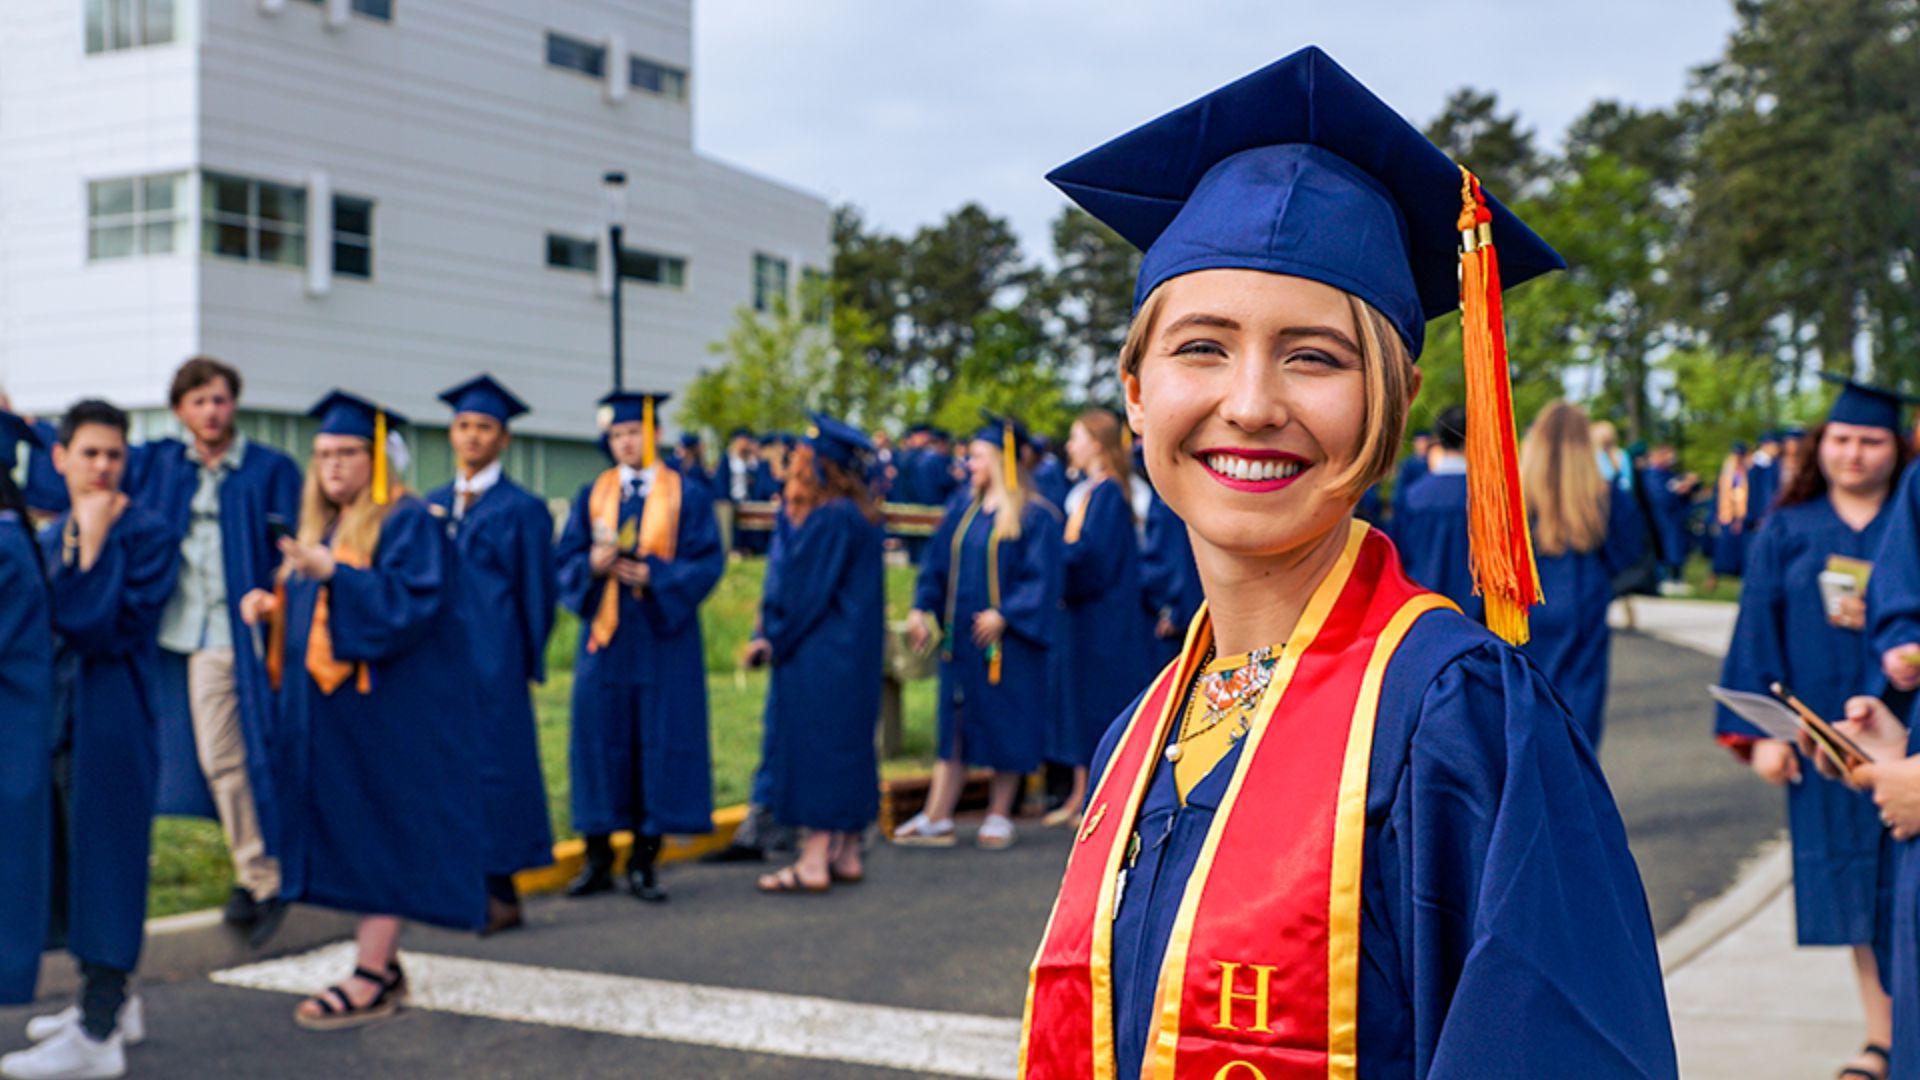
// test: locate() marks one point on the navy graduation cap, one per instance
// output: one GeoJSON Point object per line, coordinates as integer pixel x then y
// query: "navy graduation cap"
{"type": "Point", "coordinates": [628, 406]}
{"type": "Point", "coordinates": [1867, 406]}
{"type": "Point", "coordinates": [842, 444]}
{"type": "Point", "coordinates": [1298, 169]}
{"type": "Point", "coordinates": [13, 432]}
{"type": "Point", "coordinates": [486, 397]}
{"type": "Point", "coordinates": [1003, 431]}
{"type": "Point", "coordinates": [341, 413]}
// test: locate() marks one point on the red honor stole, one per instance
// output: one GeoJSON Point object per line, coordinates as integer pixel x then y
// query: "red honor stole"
{"type": "Point", "coordinates": [1261, 975]}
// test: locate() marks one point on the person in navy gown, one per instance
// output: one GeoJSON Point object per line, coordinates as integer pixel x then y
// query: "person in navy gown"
{"type": "Point", "coordinates": [822, 629]}
{"type": "Point", "coordinates": [26, 718]}
{"type": "Point", "coordinates": [1483, 918]}
{"type": "Point", "coordinates": [1430, 521]}
{"type": "Point", "coordinates": [1169, 581]}
{"type": "Point", "coordinates": [1104, 654]}
{"type": "Point", "coordinates": [1800, 626]}
{"type": "Point", "coordinates": [503, 537]}
{"type": "Point", "coordinates": [222, 495]}
{"type": "Point", "coordinates": [990, 586]}
{"type": "Point", "coordinates": [1585, 531]}
{"type": "Point", "coordinates": [639, 554]}
{"type": "Point", "coordinates": [375, 759]}
{"type": "Point", "coordinates": [1732, 514]}
{"type": "Point", "coordinates": [1412, 467]}
{"type": "Point", "coordinates": [110, 567]}
{"type": "Point", "coordinates": [1670, 497]}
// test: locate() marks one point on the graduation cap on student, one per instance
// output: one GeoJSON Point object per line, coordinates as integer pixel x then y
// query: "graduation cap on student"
{"type": "Point", "coordinates": [13, 432]}
{"type": "Point", "coordinates": [341, 413]}
{"type": "Point", "coordinates": [689, 440]}
{"type": "Point", "coordinates": [1299, 169]}
{"type": "Point", "coordinates": [1867, 406]}
{"type": "Point", "coordinates": [629, 406]}
{"type": "Point", "coordinates": [740, 433]}
{"type": "Point", "coordinates": [842, 444]}
{"type": "Point", "coordinates": [1011, 436]}
{"type": "Point", "coordinates": [486, 397]}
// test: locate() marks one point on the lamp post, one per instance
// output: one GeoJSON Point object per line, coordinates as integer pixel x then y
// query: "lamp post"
{"type": "Point", "coordinates": [615, 185]}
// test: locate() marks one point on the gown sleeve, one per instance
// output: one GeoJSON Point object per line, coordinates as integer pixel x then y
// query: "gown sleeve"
{"type": "Point", "coordinates": [381, 612]}
{"type": "Point", "coordinates": [1523, 924]}
{"type": "Point", "coordinates": [1626, 542]}
{"type": "Point", "coordinates": [1893, 593]}
{"type": "Point", "coordinates": [1093, 564]}
{"type": "Point", "coordinates": [1757, 655]}
{"type": "Point", "coordinates": [675, 589]}
{"type": "Point", "coordinates": [930, 587]}
{"type": "Point", "coordinates": [574, 569]}
{"type": "Point", "coordinates": [114, 608]}
{"type": "Point", "coordinates": [814, 561]}
{"type": "Point", "coordinates": [534, 568]}
{"type": "Point", "coordinates": [1030, 591]}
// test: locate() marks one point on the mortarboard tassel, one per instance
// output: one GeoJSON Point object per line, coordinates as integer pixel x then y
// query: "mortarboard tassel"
{"type": "Point", "coordinates": [380, 481]}
{"type": "Point", "coordinates": [1010, 458]}
{"type": "Point", "coordinates": [647, 452]}
{"type": "Point", "coordinates": [1501, 542]}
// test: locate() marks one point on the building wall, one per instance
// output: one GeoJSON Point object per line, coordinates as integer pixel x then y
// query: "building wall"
{"type": "Point", "coordinates": [472, 148]}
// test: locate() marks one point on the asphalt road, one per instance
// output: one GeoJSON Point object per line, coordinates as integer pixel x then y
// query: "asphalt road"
{"type": "Point", "coordinates": [950, 931]}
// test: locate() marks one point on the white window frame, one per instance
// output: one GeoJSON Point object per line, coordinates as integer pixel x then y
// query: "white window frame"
{"type": "Point", "coordinates": [140, 219]}
{"type": "Point", "coordinates": [132, 18]}
{"type": "Point", "coordinates": [294, 228]}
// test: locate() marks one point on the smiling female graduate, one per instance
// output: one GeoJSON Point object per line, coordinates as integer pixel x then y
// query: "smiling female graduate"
{"type": "Point", "coordinates": [26, 718]}
{"type": "Point", "coordinates": [1348, 832]}
{"type": "Point", "coordinates": [991, 581]}
{"type": "Point", "coordinates": [374, 760]}
{"type": "Point", "coordinates": [639, 555]}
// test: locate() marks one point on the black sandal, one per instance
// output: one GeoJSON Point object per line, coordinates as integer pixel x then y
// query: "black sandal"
{"type": "Point", "coordinates": [393, 990]}
{"type": "Point", "coordinates": [1870, 1050]}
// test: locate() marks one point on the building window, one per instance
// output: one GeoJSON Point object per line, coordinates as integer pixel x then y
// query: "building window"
{"type": "Point", "coordinates": [570, 252]}
{"type": "Point", "coordinates": [576, 55]}
{"type": "Point", "coordinates": [657, 78]}
{"type": "Point", "coordinates": [769, 281]}
{"type": "Point", "coordinates": [128, 24]}
{"type": "Point", "coordinates": [816, 295]}
{"type": "Point", "coordinates": [352, 236]}
{"type": "Point", "coordinates": [256, 220]}
{"type": "Point", "coordinates": [372, 9]}
{"type": "Point", "coordinates": [136, 215]}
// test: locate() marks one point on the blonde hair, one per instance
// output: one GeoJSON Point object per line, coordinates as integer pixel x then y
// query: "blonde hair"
{"type": "Point", "coordinates": [1013, 506]}
{"type": "Point", "coordinates": [1386, 370]}
{"type": "Point", "coordinates": [355, 527]}
{"type": "Point", "coordinates": [1104, 428]}
{"type": "Point", "coordinates": [1565, 491]}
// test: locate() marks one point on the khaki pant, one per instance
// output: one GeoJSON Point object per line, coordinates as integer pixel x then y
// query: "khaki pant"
{"type": "Point", "coordinates": [215, 703]}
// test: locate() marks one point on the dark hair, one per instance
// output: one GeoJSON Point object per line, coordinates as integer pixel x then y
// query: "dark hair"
{"type": "Point", "coordinates": [198, 372]}
{"type": "Point", "coordinates": [15, 500]}
{"type": "Point", "coordinates": [1808, 483]}
{"type": "Point", "coordinates": [92, 411]}
{"type": "Point", "coordinates": [1450, 427]}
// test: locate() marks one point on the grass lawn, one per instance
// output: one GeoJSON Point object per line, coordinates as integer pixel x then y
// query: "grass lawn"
{"type": "Point", "coordinates": [190, 868]}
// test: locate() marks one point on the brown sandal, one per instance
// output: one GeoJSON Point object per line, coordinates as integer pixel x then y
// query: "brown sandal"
{"type": "Point", "coordinates": [787, 880]}
{"type": "Point", "coordinates": [386, 1002]}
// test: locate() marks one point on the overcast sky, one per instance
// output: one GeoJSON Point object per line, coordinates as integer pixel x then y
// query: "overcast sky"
{"type": "Point", "coordinates": [908, 108]}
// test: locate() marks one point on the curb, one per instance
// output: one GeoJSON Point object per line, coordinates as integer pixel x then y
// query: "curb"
{"type": "Point", "coordinates": [1762, 878]}
{"type": "Point", "coordinates": [570, 856]}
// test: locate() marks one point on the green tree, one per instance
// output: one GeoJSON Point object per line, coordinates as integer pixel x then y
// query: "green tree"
{"type": "Point", "coordinates": [1005, 371]}
{"type": "Point", "coordinates": [957, 271]}
{"type": "Point", "coordinates": [1089, 301]}
{"type": "Point", "coordinates": [870, 273]}
{"type": "Point", "coordinates": [1473, 131]}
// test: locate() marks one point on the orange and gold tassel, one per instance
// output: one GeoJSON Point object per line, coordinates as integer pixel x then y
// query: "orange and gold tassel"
{"type": "Point", "coordinates": [647, 452]}
{"type": "Point", "coordinates": [1504, 573]}
{"type": "Point", "coordinates": [1010, 458]}
{"type": "Point", "coordinates": [381, 484]}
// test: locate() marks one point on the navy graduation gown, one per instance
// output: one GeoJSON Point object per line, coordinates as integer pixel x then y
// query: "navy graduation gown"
{"type": "Point", "coordinates": [640, 705]}
{"type": "Point", "coordinates": [379, 791]}
{"type": "Point", "coordinates": [1169, 580]}
{"type": "Point", "coordinates": [824, 611]}
{"type": "Point", "coordinates": [1050, 477]}
{"type": "Point", "coordinates": [1670, 510]}
{"type": "Point", "coordinates": [1893, 593]}
{"type": "Point", "coordinates": [1504, 932]}
{"type": "Point", "coordinates": [45, 489]}
{"type": "Point", "coordinates": [1411, 469]}
{"type": "Point", "coordinates": [105, 620]}
{"type": "Point", "coordinates": [1763, 482]}
{"type": "Point", "coordinates": [506, 603]}
{"type": "Point", "coordinates": [1430, 529]}
{"type": "Point", "coordinates": [266, 487]}
{"type": "Point", "coordinates": [1000, 726]}
{"type": "Point", "coordinates": [26, 722]}
{"type": "Point", "coordinates": [1371, 510]}
{"type": "Point", "coordinates": [1893, 608]}
{"type": "Point", "coordinates": [1571, 641]}
{"type": "Point", "coordinates": [1104, 655]}
{"type": "Point", "coordinates": [1783, 634]}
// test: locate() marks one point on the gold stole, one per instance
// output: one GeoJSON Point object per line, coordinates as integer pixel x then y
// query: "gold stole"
{"type": "Point", "coordinates": [659, 528]}
{"type": "Point", "coordinates": [328, 672]}
{"type": "Point", "coordinates": [1078, 519]}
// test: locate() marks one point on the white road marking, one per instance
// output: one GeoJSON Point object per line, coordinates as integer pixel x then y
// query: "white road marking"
{"type": "Point", "coordinates": [952, 1044]}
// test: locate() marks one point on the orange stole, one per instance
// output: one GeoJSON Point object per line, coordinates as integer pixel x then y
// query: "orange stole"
{"type": "Point", "coordinates": [659, 530]}
{"type": "Point", "coordinates": [328, 673]}
{"type": "Point", "coordinates": [1077, 520]}
{"type": "Point", "coordinates": [1262, 968]}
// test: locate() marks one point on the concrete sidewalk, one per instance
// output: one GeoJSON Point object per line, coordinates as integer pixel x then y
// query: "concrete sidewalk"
{"type": "Point", "coordinates": [1747, 1003]}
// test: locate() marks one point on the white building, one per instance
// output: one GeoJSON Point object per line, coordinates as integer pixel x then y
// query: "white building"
{"type": "Point", "coordinates": [384, 195]}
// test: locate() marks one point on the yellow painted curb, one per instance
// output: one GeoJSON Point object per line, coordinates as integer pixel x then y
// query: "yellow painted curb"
{"type": "Point", "coordinates": [569, 856]}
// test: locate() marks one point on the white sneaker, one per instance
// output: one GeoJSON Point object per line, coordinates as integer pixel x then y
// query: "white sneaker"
{"type": "Point", "coordinates": [922, 831]}
{"type": "Point", "coordinates": [132, 1028]}
{"type": "Point", "coordinates": [70, 1054]}
{"type": "Point", "coordinates": [996, 833]}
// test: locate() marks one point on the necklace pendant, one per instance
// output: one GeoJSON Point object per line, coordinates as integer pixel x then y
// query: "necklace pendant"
{"type": "Point", "coordinates": [1173, 754]}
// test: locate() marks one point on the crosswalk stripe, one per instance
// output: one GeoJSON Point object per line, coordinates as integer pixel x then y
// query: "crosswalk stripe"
{"type": "Point", "coordinates": [756, 1021]}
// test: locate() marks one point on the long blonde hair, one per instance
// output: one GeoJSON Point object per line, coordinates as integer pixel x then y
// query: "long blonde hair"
{"type": "Point", "coordinates": [1567, 495]}
{"type": "Point", "coordinates": [1386, 369]}
{"type": "Point", "coordinates": [358, 524]}
{"type": "Point", "coordinates": [1013, 506]}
